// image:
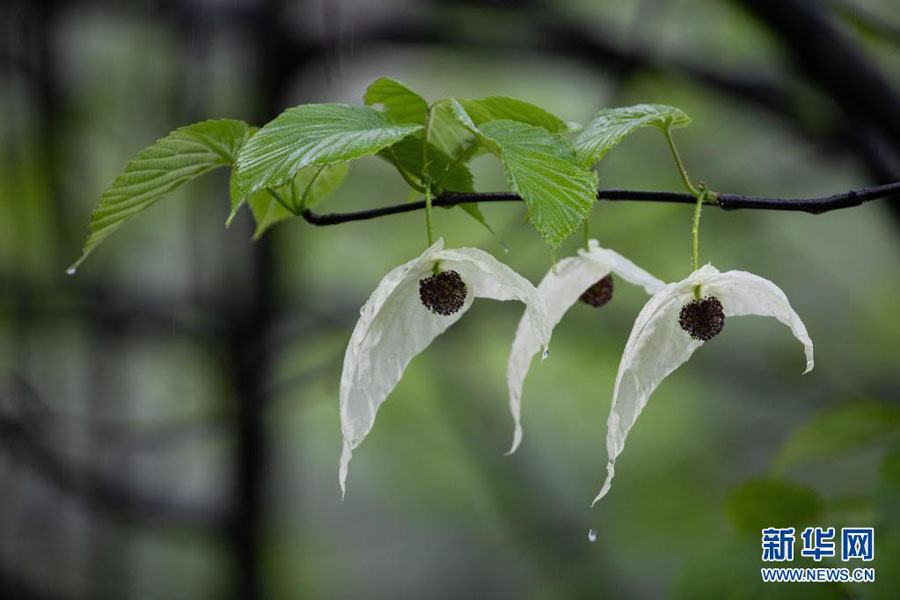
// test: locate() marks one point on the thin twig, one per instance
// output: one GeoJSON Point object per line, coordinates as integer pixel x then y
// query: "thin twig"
{"type": "Point", "coordinates": [727, 201]}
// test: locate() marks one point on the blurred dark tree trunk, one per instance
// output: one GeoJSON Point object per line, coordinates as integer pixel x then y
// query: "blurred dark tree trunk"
{"type": "Point", "coordinates": [248, 369]}
{"type": "Point", "coordinates": [248, 343]}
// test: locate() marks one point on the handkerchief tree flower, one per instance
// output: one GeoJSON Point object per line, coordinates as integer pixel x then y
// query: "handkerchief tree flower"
{"type": "Point", "coordinates": [679, 319]}
{"type": "Point", "coordinates": [406, 312]}
{"type": "Point", "coordinates": [287, 167]}
{"type": "Point", "coordinates": [587, 278]}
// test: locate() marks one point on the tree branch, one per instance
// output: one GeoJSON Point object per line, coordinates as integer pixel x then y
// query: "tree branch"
{"type": "Point", "coordinates": [726, 201]}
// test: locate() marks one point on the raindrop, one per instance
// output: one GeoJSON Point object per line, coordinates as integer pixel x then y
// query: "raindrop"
{"type": "Point", "coordinates": [70, 271]}
{"type": "Point", "coordinates": [592, 535]}
{"type": "Point", "coordinates": [546, 353]}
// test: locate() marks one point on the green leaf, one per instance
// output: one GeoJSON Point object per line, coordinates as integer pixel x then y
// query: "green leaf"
{"type": "Point", "coordinates": [309, 188]}
{"type": "Point", "coordinates": [837, 431]}
{"type": "Point", "coordinates": [160, 168]}
{"type": "Point", "coordinates": [267, 210]}
{"type": "Point", "coordinates": [401, 104]}
{"type": "Point", "coordinates": [312, 191]}
{"type": "Point", "coordinates": [493, 108]}
{"type": "Point", "coordinates": [611, 125]}
{"type": "Point", "coordinates": [447, 140]}
{"type": "Point", "coordinates": [446, 174]}
{"type": "Point", "coordinates": [312, 135]}
{"type": "Point", "coordinates": [541, 167]}
{"type": "Point", "coordinates": [237, 199]}
{"type": "Point", "coordinates": [771, 503]}
{"type": "Point", "coordinates": [446, 132]}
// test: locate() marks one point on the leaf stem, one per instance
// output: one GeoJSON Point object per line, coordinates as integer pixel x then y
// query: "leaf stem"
{"type": "Point", "coordinates": [587, 233]}
{"type": "Point", "coordinates": [681, 171]}
{"type": "Point", "coordinates": [695, 237]}
{"type": "Point", "coordinates": [463, 157]}
{"type": "Point", "coordinates": [281, 201]}
{"type": "Point", "coordinates": [426, 182]}
{"type": "Point", "coordinates": [404, 172]}
{"type": "Point", "coordinates": [305, 195]}
{"type": "Point", "coordinates": [700, 194]}
{"type": "Point", "coordinates": [429, 220]}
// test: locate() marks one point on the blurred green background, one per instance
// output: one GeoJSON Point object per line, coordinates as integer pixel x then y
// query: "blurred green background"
{"type": "Point", "coordinates": [169, 417]}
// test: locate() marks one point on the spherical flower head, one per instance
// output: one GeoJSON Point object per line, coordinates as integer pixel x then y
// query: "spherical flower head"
{"type": "Point", "coordinates": [703, 318]}
{"type": "Point", "coordinates": [600, 293]}
{"type": "Point", "coordinates": [444, 293]}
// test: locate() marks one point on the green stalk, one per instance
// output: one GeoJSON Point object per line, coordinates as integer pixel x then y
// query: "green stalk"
{"type": "Point", "coordinates": [681, 171]}
{"type": "Point", "coordinates": [695, 240]}
{"type": "Point", "coordinates": [282, 202]}
{"type": "Point", "coordinates": [426, 181]}
{"type": "Point", "coordinates": [429, 219]}
{"type": "Point", "coordinates": [305, 195]}
{"type": "Point", "coordinates": [700, 194]}
{"type": "Point", "coordinates": [464, 155]}
{"type": "Point", "coordinates": [407, 176]}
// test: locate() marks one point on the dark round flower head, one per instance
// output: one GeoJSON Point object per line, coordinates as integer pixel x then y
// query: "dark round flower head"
{"type": "Point", "coordinates": [444, 293]}
{"type": "Point", "coordinates": [702, 319]}
{"type": "Point", "coordinates": [600, 293]}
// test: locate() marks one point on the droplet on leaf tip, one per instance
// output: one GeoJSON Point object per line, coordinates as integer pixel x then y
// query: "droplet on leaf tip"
{"type": "Point", "coordinates": [592, 535]}
{"type": "Point", "coordinates": [70, 271]}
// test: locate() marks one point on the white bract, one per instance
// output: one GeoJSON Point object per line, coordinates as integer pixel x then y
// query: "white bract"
{"type": "Point", "coordinates": [657, 344]}
{"type": "Point", "coordinates": [394, 327]}
{"type": "Point", "coordinates": [560, 289]}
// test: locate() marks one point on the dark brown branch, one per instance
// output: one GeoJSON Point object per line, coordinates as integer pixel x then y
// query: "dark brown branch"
{"type": "Point", "coordinates": [727, 201]}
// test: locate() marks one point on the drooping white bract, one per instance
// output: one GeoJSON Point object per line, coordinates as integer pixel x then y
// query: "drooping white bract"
{"type": "Point", "coordinates": [394, 327]}
{"type": "Point", "coordinates": [657, 344]}
{"type": "Point", "coordinates": [560, 290]}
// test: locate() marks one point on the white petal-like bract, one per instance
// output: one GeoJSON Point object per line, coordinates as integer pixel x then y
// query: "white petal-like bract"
{"type": "Point", "coordinates": [559, 291]}
{"type": "Point", "coordinates": [394, 327]}
{"type": "Point", "coordinates": [657, 344]}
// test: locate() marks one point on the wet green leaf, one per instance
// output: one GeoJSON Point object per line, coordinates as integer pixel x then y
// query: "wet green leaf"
{"type": "Point", "coordinates": [610, 126]}
{"type": "Point", "coordinates": [160, 168]}
{"type": "Point", "coordinates": [312, 135]}
{"type": "Point", "coordinates": [541, 167]}
{"type": "Point", "coordinates": [401, 103]}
